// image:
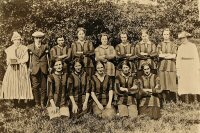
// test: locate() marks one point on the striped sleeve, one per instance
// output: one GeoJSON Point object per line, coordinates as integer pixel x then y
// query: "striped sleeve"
{"type": "Point", "coordinates": [153, 52]}
{"type": "Point", "coordinates": [88, 84]}
{"type": "Point", "coordinates": [50, 88]}
{"type": "Point", "coordinates": [91, 49]}
{"type": "Point", "coordinates": [117, 87]}
{"type": "Point", "coordinates": [92, 86]}
{"type": "Point", "coordinates": [111, 83]}
{"type": "Point", "coordinates": [74, 51]}
{"type": "Point", "coordinates": [70, 86]}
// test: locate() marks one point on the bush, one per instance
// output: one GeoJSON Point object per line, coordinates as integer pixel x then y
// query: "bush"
{"type": "Point", "coordinates": [64, 16]}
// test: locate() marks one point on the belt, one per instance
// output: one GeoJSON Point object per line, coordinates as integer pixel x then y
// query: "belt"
{"type": "Point", "coordinates": [184, 58]}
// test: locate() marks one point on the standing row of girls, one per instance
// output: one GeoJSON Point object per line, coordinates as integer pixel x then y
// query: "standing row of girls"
{"type": "Point", "coordinates": [80, 80]}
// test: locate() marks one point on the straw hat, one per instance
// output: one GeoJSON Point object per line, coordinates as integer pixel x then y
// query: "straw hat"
{"type": "Point", "coordinates": [183, 34]}
{"type": "Point", "coordinates": [16, 36]}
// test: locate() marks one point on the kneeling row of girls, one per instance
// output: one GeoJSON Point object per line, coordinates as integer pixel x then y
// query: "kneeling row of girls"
{"type": "Point", "coordinates": [125, 95]}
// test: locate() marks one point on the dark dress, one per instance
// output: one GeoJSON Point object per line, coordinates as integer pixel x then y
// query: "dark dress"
{"type": "Point", "coordinates": [149, 104]}
{"type": "Point", "coordinates": [101, 89]}
{"type": "Point", "coordinates": [121, 51]}
{"type": "Point", "coordinates": [150, 49]}
{"type": "Point", "coordinates": [57, 89]}
{"type": "Point", "coordinates": [58, 51]}
{"type": "Point", "coordinates": [88, 51]}
{"type": "Point", "coordinates": [79, 85]}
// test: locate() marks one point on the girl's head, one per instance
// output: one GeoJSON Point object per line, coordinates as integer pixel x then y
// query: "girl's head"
{"type": "Point", "coordinates": [146, 67]}
{"type": "Point", "coordinates": [166, 34]}
{"type": "Point", "coordinates": [81, 33]}
{"type": "Point", "coordinates": [145, 35]}
{"type": "Point", "coordinates": [104, 39]}
{"type": "Point", "coordinates": [100, 68]}
{"type": "Point", "coordinates": [124, 36]}
{"type": "Point", "coordinates": [60, 41]}
{"type": "Point", "coordinates": [126, 67]}
{"type": "Point", "coordinates": [58, 66]}
{"type": "Point", "coordinates": [78, 65]}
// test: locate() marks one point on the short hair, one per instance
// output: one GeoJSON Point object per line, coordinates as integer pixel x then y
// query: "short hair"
{"type": "Point", "coordinates": [53, 62]}
{"type": "Point", "coordinates": [60, 36]}
{"type": "Point", "coordinates": [146, 64]}
{"type": "Point", "coordinates": [123, 32]}
{"type": "Point", "coordinates": [166, 29]}
{"type": "Point", "coordinates": [81, 29]}
{"type": "Point", "coordinates": [79, 60]}
{"type": "Point", "coordinates": [125, 62]}
{"type": "Point", "coordinates": [104, 34]}
{"type": "Point", "coordinates": [99, 62]}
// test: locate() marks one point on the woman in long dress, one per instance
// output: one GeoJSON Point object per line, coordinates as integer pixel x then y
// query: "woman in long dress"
{"type": "Point", "coordinates": [167, 67]}
{"type": "Point", "coordinates": [16, 83]}
{"type": "Point", "coordinates": [188, 68]}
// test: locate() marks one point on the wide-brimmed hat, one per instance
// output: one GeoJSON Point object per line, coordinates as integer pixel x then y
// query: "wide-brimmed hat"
{"type": "Point", "coordinates": [16, 36]}
{"type": "Point", "coordinates": [183, 34]}
{"type": "Point", "coordinates": [38, 34]}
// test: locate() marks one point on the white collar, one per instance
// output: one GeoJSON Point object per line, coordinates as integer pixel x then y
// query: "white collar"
{"type": "Point", "coordinates": [125, 44]}
{"type": "Point", "coordinates": [104, 46]}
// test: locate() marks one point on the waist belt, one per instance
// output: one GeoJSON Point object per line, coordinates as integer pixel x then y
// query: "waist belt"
{"type": "Point", "coordinates": [184, 58]}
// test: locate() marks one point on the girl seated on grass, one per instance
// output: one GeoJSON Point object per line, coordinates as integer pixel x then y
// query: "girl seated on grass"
{"type": "Point", "coordinates": [149, 92]}
{"type": "Point", "coordinates": [79, 88]}
{"type": "Point", "coordinates": [57, 91]}
{"type": "Point", "coordinates": [125, 89]}
{"type": "Point", "coordinates": [102, 92]}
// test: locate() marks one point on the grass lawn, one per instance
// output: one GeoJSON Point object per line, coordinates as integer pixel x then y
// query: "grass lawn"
{"type": "Point", "coordinates": [176, 118]}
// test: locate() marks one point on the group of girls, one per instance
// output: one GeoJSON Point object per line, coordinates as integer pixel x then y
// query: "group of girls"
{"type": "Point", "coordinates": [82, 78]}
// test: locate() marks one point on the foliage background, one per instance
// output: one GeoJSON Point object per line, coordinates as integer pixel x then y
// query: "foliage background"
{"type": "Point", "coordinates": [58, 17]}
{"type": "Point", "coordinates": [64, 16]}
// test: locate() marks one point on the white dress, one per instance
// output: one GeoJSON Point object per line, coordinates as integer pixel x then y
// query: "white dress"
{"type": "Point", "coordinates": [16, 82]}
{"type": "Point", "coordinates": [188, 69]}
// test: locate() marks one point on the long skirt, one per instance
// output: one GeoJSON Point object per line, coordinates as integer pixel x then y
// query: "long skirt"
{"type": "Point", "coordinates": [168, 81]}
{"type": "Point", "coordinates": [152, 111]}
{"type": "Point", "coordinates": [150, 106]}
{"type": "Point", "coordinates": [16, 83]}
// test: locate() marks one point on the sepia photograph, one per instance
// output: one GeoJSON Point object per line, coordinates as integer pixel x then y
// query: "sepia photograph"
{"type": "Point", "coordinates": [99, 66]}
